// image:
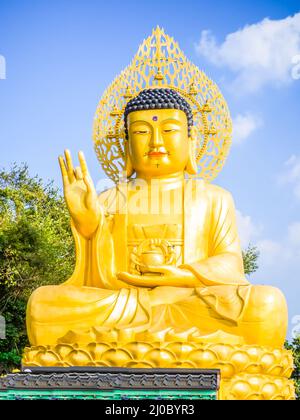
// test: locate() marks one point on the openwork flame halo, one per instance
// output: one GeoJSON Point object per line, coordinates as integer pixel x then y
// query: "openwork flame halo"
{"type": "Point", "coordinates": [159, 62]}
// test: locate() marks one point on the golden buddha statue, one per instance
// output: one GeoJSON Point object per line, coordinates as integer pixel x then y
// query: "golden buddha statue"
{"type": "Point", "coordinates": [158, 256]}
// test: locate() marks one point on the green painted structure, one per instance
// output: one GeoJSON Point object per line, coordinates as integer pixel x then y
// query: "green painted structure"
{"type": "Point", "coordinates": [61, 394]}
{"type": "Point", "coordinates": [110, 384]}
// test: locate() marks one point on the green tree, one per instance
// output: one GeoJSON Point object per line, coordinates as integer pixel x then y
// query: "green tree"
{"type": "Point", "coordinates": [36, 248]}
{"type": "Point", "coordinates": [294, 346]}
{"type": "Point", "coordinates": [250, 257]}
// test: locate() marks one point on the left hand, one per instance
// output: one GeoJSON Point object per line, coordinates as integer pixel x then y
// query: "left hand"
{"type": "Point", "coordinates": [168, 276]}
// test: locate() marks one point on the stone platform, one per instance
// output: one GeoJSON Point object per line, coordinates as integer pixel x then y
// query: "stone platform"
{"type": "Point", "coordinates": [111, 384]}
{"type": "Point", "coordinates": [247, 372]}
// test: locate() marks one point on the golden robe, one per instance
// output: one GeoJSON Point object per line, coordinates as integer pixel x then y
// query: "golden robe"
{"type": "Point", "coordinates": [93, 300]}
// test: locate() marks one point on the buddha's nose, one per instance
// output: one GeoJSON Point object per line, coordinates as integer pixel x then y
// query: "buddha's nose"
{"type": "Point", "coordinates": [156, 138]}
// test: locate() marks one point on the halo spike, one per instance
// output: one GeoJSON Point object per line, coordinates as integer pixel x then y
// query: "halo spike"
{"type": "Point", "coordinates": [164, 65]}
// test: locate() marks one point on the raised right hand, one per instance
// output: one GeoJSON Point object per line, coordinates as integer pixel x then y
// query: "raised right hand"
{"type": "Point", "coordinates": [80, 194]}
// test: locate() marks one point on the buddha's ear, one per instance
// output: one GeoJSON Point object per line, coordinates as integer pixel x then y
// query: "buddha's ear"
{"type": "Point", "coordinates": [128, 165]}
{"type": "Point", "coordinates": [191, 167]}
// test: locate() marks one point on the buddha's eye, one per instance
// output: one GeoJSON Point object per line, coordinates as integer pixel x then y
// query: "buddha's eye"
{"type": "Point", "coordinates": [170, 130]}
{"type": "Point", "coordinates": [141, 132]}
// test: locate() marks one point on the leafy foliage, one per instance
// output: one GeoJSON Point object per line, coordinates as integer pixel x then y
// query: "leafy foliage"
{"type": "Point", "coordinates": [36, 248]}
{"type": "Point", "coordinates": [295, 347]}
{"type": "Point", "coordinates": [250, 257]}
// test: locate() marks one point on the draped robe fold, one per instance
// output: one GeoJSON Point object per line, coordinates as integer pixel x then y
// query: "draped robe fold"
{"type": "Point", "coordinates": [97, 298]}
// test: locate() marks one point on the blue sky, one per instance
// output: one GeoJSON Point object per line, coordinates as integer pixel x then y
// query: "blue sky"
{"type": "Point", "coordinates": [61, 55]}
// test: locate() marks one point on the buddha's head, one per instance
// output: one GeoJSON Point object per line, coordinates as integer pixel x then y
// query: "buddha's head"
{"type": "Point", "coordinates": [159, 133]}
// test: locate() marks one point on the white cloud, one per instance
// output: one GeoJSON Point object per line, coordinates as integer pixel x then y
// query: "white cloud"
{"type": "Point", "coordinates": [291, 174]}
{"type": "Point", "coordinates": [294, 234]}
{"type": "Point", "coordinates": [279, 252]}
{"type": "Point", "coordinates": [2, 68]}
{"type": "Point", "coordinates": [286, 251]}
{"type": "Point", "coordinates": [270, 251]}
{"type": "Point", "coordinates": [258, 54]}
{"type": "Point", "coordinates": [248, 231]}
{"type": "Point", "coordinates": [243, 126]}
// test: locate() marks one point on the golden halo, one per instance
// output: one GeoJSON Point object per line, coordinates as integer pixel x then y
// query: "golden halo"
{"type": "Point", "coordinates": [159, 62]}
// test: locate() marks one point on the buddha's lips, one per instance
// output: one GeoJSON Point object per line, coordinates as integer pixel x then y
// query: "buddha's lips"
{"type": "Point", "coordinates": [157, 154]}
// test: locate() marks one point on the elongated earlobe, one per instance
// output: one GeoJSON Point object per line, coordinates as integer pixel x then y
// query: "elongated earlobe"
{"type": "Point", "coordinates": [128, 165]}
{"type": "Point", "coordinates": [191, 167]}
{"type": "Point", "coordinates": [129, 169]}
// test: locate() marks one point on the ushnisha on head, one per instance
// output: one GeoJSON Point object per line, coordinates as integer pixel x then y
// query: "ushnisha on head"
{"type": "Point", "coordinates": [150, 99]}
{"type": "Point", "coordinates": [159, 134]}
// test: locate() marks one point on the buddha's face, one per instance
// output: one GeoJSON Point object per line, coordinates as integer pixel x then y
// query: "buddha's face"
{"type": "Point", "coordinates": [158, 142]}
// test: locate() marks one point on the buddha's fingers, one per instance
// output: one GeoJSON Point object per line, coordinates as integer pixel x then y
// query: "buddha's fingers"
{"type": "Point", "coordinates": [87, 178]}
{"type": "Point", "coordinates": [78, 173]}
{"type": "Point", "coordinates": [132, 279]}
{"type": "Point", "coordinates": [141, 281]}
{"type": "Point", "coordinates": [64, 172]}
{"type": "Point", "coordinates": [161, 269]}
{"type": "Point", "coordinates": [83, 165]}
{"type": "Point", "coordinates": [89, 184]}
{"type": "Point", "coordinates": [70, 167]}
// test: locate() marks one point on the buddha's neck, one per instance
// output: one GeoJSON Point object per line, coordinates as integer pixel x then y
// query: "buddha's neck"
{"type": "Point", "coordinates": [165, 182]}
